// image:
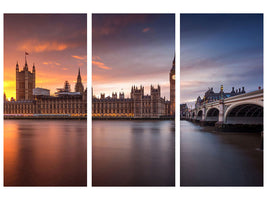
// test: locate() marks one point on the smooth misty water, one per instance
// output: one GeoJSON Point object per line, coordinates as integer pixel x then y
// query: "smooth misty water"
{"type": "Point", "coordinates": [45, 153]}
{"type": "Point", "coordinates": [210, 158]}
{"type": "Point", "coordinates": [133, 153]}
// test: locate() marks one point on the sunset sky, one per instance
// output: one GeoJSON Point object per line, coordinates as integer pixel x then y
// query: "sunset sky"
{"type": "Point", "coordinates": [56, 43]}
{"type": "Point", "coordinates": [132, 49]}
{"type": "Point", "coordinates": [220, 49]}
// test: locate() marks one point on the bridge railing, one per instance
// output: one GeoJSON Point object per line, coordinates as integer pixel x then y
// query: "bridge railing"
{"type": "Point", "coordinates": [256, 92]}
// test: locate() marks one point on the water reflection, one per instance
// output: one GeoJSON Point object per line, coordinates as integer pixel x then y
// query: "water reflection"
{"type": "Point", "coordinates": [45, 153]}
{"type": "Point", "coordinates": [133, 153]}
{"type": "Point", "coordinates": [210, 158]}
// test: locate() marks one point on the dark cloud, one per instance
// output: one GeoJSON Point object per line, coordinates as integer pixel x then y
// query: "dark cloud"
{"type": "Point", "coordinates": [221, 49]}
{"type": "Point", "coordinates": [135, 47]}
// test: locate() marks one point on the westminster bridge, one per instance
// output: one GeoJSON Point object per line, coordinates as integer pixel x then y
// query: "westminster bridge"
{"type": "Point", "coordinates": [242, 111]}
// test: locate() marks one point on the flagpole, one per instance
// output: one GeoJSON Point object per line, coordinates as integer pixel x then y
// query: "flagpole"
{"type": "Point", "coordinates": [26, 56]}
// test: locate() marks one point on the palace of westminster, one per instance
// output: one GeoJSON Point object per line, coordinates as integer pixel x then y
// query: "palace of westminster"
{"type": "Point", "coordinates": [38, 101]}
{"type": "Point", "coordinates": [138, 105]}
{"type": "Point", "coordinates": [31, 100]}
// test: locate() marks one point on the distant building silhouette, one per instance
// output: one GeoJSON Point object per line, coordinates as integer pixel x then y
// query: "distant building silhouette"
{"type": "Point", "coordinates": [138, 105]}
{"type": "Point", "coordinates": [172, 88]}
{"type": "Point", "coordinates": [67, 86]}
{"type": "Point", "coordinates": [183, 110]}
{"type": "Point", "coordinates": [31, 100]}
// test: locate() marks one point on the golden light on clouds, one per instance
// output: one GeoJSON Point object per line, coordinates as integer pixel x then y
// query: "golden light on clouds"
{"type": "Point", "coordinates": [51, 63]}
{"type": "Point", "coordinates": [146, 30]}
{"type": "Point", "coordinates": [38, 46]}
{"type": "Point", "coordinates": [132, 49]}
{"type": "Point", "coordinates": [101, 65]}
{"type": "Point", "coordinates": [50, 51]}
{"type": "Point", "coordinates": [79, 57]}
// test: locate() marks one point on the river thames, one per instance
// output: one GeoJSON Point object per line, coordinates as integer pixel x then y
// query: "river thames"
{"type": "Point", "coordinates": [133, 153]}
{"type": "Point", "coordinates": [45, 152]}
{"type": "Point", "coordinates": [210, 158]}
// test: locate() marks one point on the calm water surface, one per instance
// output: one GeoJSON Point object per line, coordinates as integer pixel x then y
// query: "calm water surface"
{"type": "Point", "coordinates": [210, 158]}
{"type": "Point", "coordinates": [45, 153]}
{"type": "Point", "coordinates": [133, 153]}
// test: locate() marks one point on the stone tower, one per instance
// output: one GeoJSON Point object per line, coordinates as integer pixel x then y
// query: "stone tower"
{"type": "Point", "coordinates": [79, 85]}
{"type": "Point", "coordinates": [137, 97]}
{"type": "Point", "coordinates": [155, 101]}
{"type": "Point", "coordinates": [172, 88]}
{"type": "Point", "coordinates": [25, 82]}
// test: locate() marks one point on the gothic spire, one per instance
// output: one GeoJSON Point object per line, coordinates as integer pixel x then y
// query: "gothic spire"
{"type": "Point", "coordinates": [79, 79]}
{"type": "Point", "coordinates": [79, 85]}
{"type": "Point", "coordinates": [173, 64]}
{"type": "Point", "coordinates": [33, 68]}
{"type": "Point", "coordinates": [17, 66]}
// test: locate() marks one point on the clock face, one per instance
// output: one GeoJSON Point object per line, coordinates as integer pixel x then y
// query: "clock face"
{"type": "Point", "coordinates": [173, 77]}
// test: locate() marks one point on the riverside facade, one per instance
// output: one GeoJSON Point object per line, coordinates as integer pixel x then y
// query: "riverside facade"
{"type": "Point", "coordinates": [138, 105]}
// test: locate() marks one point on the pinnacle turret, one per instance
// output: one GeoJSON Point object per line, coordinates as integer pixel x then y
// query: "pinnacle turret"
{"type": "Point", "coordinates": [33, 68]}
{"type": "Point", "coordinates": [17, 66]}
{"type": "Point", "coordinates": [173, 64]}
{"type": "Point", "coordinates": [79, 85]}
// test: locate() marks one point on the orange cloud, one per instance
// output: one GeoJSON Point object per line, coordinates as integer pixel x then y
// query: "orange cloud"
{"type": "Point", "coordinates": [146, 30]}
{"type": "Point", "coordinates": [51, 63]}
{"type": "Point", "coordinates": [101, 65]}
{"type": "Point", "coordinates": [79, 57]}
{"type": "Point", "coordinates": [38, 46]}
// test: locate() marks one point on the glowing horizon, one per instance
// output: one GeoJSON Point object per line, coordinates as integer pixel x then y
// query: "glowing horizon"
{"type": "Point", "coordinates": [132, 49]}
{"type": "Point", "coordinates": [57, 54]}
{"type": "Point", "coordinates": [220, 49]}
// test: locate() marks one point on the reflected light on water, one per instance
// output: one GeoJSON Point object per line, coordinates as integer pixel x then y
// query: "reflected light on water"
{"type": "Point", "coordinates": [133, 153]}
{"type": "Point", "coordinates": [45, 153]}
{"type": "Point", "coordinates": [210, 158]}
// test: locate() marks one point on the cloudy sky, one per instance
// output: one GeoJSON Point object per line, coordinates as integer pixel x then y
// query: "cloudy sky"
{"type": "Point", "coordinates": [132, 49]}
{"type": "Point", "coordinates": [56, 44]}
{"type": "Point", "coordinates": [220, 49]}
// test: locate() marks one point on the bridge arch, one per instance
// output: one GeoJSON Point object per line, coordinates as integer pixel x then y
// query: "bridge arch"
{"type": "Point", "coordinates": [212, 114]}
{"type": "Point", "coordinates": [244, 113]}
{"type": "Point", "coordinates": [199, 114]}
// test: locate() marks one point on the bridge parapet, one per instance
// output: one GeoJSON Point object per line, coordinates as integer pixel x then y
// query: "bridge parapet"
{"type": "Point", "coordinates": [248, 107]}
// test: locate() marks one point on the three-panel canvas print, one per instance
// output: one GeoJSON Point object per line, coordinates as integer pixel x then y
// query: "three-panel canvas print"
{"type": "Point", "coordinates": [133, 112]}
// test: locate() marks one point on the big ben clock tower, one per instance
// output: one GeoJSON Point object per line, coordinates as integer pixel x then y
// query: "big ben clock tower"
{"type": "Point", "coordinates": [172, 88]}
